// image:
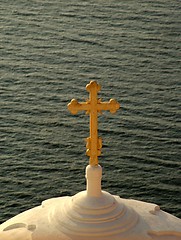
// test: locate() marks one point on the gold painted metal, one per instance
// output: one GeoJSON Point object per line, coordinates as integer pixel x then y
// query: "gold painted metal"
{"type": "Point", "coordinates": [93, 106]}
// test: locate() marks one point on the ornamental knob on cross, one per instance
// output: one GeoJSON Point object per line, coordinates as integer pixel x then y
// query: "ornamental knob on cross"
{"type": "Point", "coordinates": [93, 106]}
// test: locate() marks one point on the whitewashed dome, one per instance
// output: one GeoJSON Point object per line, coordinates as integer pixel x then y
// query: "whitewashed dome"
{"type": "Point", "coordinates": [93, 214]}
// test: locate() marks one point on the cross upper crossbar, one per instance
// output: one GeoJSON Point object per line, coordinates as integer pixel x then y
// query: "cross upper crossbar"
{"type": "Point", "coordinates": [93, 106]}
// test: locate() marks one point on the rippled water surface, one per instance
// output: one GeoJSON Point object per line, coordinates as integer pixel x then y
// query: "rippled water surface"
{"type": "Point", "coordinates": [49, 51]}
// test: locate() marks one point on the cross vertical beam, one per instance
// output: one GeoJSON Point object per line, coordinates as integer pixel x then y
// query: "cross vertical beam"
{"type": "Point", "coordinates": [92, 146]}
{"type": "Point", "coordinates": [93, 106]}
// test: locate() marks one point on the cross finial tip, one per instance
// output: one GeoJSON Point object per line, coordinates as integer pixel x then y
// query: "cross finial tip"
{"type": "Point", "coordinates": [114, 105]}
{"type": "Point", "coordinates": [73, 106]}
{"type": "Point", "coordinates": [93, 85]}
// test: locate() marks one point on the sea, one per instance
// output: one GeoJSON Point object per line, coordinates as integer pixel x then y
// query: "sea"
{"type": "Point", "coordinates": [49, 51]}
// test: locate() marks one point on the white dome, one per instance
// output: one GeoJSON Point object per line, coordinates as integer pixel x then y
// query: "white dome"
{"type": "Point", "coordinates": [91, 215]}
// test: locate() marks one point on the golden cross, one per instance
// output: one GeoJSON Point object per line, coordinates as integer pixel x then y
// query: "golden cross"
{"type": "Point", "coordinates": [93, 106]}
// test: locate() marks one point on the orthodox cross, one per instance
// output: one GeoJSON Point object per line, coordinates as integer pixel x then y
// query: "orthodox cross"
{"type": "Point", "coordinates": [93, 106]}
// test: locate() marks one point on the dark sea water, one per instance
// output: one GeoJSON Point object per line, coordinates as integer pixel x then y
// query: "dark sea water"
{"type": "Point", "coordinates": [49, 51]}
